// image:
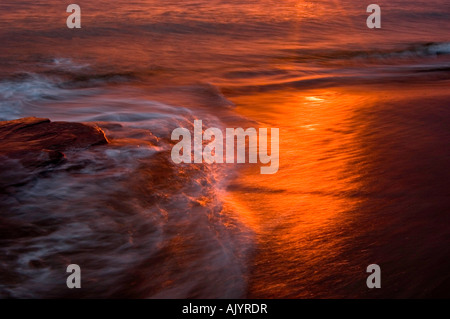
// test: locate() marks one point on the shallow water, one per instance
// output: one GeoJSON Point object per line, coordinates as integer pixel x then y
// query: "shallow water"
{"type": "Point", "coordinates": [363, 117]}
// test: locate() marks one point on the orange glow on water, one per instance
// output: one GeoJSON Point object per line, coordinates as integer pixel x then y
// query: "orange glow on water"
{"type": "Point", "coordinates": [301, 212]}
{"type": "Point", "coordinates": [307, 217]}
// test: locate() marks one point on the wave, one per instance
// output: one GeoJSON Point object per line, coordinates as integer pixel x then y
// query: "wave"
{"type": "Point", "coordinates": [415, 50]}
{"type": "Point", "coordinates": [137, 224]}
{"type": "Point", "coordinates": [414, 64]}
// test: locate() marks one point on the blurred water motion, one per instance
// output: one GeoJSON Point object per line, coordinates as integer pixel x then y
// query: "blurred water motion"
{"type": "Point", "coordinates": [364, 176]}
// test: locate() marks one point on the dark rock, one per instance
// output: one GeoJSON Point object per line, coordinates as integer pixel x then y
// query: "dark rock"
{"type": "Point", "coordinates": [30, 143]}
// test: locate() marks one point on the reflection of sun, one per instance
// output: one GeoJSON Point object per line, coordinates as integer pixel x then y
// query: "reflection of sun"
{"type": "Point", "coordinates": [313, 99]}
{"type": "Point", "coordinates": [306, 201]}
{"type": "Point", "coordinates": [305, 9]}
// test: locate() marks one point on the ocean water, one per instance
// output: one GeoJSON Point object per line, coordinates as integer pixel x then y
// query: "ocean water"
{"type": "Point", "coordinates": [364, 159]}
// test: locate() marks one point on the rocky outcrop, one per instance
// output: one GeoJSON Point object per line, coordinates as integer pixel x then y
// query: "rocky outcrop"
{"type": "Point", "coordinates": [32, 143]}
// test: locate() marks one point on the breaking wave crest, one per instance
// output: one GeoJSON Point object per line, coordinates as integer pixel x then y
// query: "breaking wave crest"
{"type": "Point", "coordinates": [136, 223]}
